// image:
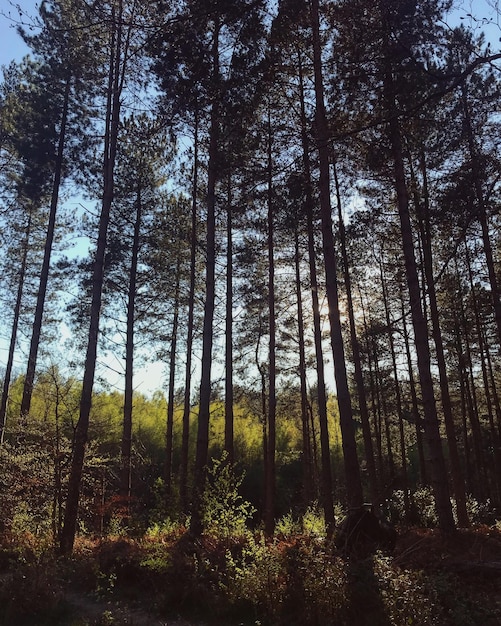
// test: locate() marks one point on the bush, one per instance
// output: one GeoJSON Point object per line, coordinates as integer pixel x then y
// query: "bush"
{"type": "Point", "coordinates": [225, 513]}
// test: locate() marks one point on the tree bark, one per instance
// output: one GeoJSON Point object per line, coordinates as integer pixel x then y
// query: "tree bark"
{"type": "Point", "coordinates": [44, 274]}
{"type": "Point", "coordinates": [202, 447]}
{"type": "Point", "coordinates": [169, 433]}
{"type": "Point", "coordinates": [183, 471]}
{"type": "Point", "coordinates": [125, 462]}
{"type": "Point", "coordinates": [482, 210]}
{"type": "Point", "coordinates": [15, 325]}
{"type": "Point", "coordinates": [423, 213]}
{"type": "Point", "coordinates": [326, 482]}
{"type": "Point", "coordinates": [355, 350]}
{"type": "Point", "coordinates": [351, 465]}
{"type": "Point", "coordinates": [431, 425]}
{"type": "Point", "coordinates": [118, 59]}
{"type": "Point", "coordinates": [228, 397]}
{"type": "Point", "coordinates": [269, 506]}
{"type": "Point", "coordinates": [306, 443]}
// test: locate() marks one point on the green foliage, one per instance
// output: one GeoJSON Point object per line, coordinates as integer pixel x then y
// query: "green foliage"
{"type": "Point", "coordinates": [287, 526]}
{"type": "Point", "coordinates": [225, 512]}
{"type": "Point", "coordinates": [424, 505]}
{"type": "Point", "coordinates": [313, 522]}
{"type": "Point", "coordinates": [254, 579]}
{"type": "Point", "coordinates": [28, 493]}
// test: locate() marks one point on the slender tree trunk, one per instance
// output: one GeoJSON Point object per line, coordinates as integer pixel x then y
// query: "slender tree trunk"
{"type": "Point", "coordinates": [351, 465]}
{"type": "Point", "coordinates": [15, 325]}
{"type": "Point", "coordinates": [125, 462]}
{"type": "Point", "coordinates": [431, 425]}
{"type": "Point", "coordinates": [414, 400]}
{"type": "Point", "coordinates": [382, 410]}
{"type": "Point", "coordinates": [480, 471]}
{"type": "Point", "coordinates": [183, 471]}
{"type": "Point", "coordinates": [202, 447]}
{"type": "Point", "coordinates": [495, 395]}
{"type": "Point", "coordinates": [398, 396]}
{"type": "Point", "coordinates": [462, 375]}
{"type": "Point", "coordinates": [169, 434]}
{"type": "Point", "coordinates": [307, 463]}
{"type": "Point", "coordinates": [228, 404]}
{"type": "Point", "coordinates": [355, 349]}
{"type": "Point", "coordinates": [44, 274]}
{"type": "Point", "coordinates": [423, 212]}
{"type": "Point", "coordinates": [58, 467]}
{"type": "Point", "coordinates": [269, 509]}
{"type": "Point", "coordinates": [496, 475]}
{"type": "Point", "coordinates": [326, 482]}
{"type": "Point", "coordinates": [373, 396]}
{"type": "Point", "coordinates": [115, 85]}
{"type": "Point", "coordinates": [482, 210]}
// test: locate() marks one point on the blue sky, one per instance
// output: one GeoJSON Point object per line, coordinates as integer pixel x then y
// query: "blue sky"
{"type": "Point", "coordinates": [11, 45]}
{"type": "Point", "coordinates": [478, 14]}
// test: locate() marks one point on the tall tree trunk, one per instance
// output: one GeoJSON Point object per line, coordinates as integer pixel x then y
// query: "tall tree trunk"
{"type": "Point", "coordinates": [480, 471]}
{"type": "Point", "coordinates": [44, 274]}
{"type": "Point", "coordinates": [487, 391]}
{"type": "Point", "coordinates": [125, 461]}
{"type": "Point", "coordinates": [351, 465]}
{"type": "Point", "coordinates": [307, 462]}
{"type": "Point", "coordinates": [416, 418]}
{"type": "Point", "coordinates": [202, 448]}
{"type": "Point", "coordinates": [423, 212]}
{"type": "Point", "coordinates": [431, 425]}
{"type": "Point", "coordinates": [269, 507]}
{"type": "Point", "coordinates": [398, 395]}
{"type": "Point", "coordinates": [482, 210]}
{"type": "Point", "coordinates": [355, 350]}
{"type": "Point", "coordinates": [169, 434]}
{"type": "Point", "coordinates": [495, 395]}
{"type": "Point", "coordinates": [15, 325]}
{"type": "Point", "coordinates": [228, 397]}
{"type": "Point", "coordinates": [326, 482]}
{"type": "Point", "coordinates": [373, 396]}
{"type": "Point", "coordinates": [183, 470]}
{"type": "Point", "coordinates": [118, 59]}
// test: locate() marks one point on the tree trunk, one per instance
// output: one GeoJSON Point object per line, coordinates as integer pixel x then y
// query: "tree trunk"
{"type": "Point", "coordinates": [307, 463]}
{"type": "Point", "coordinates": [44, 274]}
{"type": "Point", "coordinates": [202, 447]}
{"type": "Point", "coordinates": [169, 434]}
{"type": "Point", "coordinates": [423, 213]}
{"type": "Point", "coordinates": [414, 400]}
{"type": "Point", "coordinates": [183, 471]}
{"type": "Point", "coordinates": [482, 210]}
{"type": "Point", "coordinates": [15, 324]}
{"type": "Point", "coordinates": [269, 507]}
{"type": "Point", "coordinates": [125, 468]}
{"type": "Point", "coordinates": [373, 396]}
{"type": "Point", "coordinates": [351, 465]}
{"type": "Point", "coordinates": [479, 470]}
{"type": "Point", "coordinates": [115, 85]}
{"type": "Point", "coordinates": [326, 482]}
{"type": "Point", "coordinates": [398, 396]}
{"type": "Point", "coordinates": [431, 425]}
{"type": "Point", "coordinates": [228, 397]}
{"type": "Point", "coordinates": [355, 349]}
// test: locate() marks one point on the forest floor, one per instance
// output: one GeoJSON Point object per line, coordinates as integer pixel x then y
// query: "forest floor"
{"type": "Point", "coordinates": [471, 556]}
{"type": "Point", "coordinates": [429, 579]}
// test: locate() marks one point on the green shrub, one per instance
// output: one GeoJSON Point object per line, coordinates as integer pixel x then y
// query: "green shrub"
{"type": "Point", "coordinates": [225, 513]}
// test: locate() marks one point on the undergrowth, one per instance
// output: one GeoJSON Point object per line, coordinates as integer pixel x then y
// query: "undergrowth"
{"type": "Point", "coordinates": [232, 575]}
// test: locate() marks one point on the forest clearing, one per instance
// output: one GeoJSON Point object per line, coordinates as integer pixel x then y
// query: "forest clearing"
{"type": "Point", "coordinates": [250, 333]}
